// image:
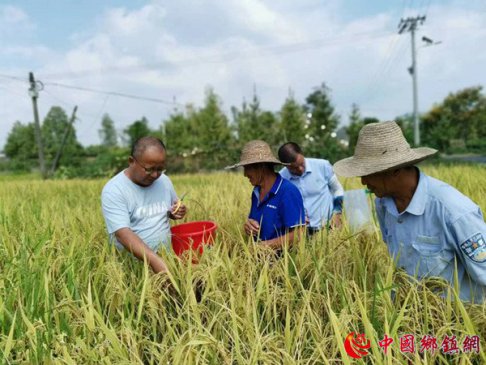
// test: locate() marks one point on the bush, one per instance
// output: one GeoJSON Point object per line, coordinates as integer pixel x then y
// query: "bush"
{"type": "Point", "coordinates": [106, 163]}
{"type": "Point", "coordinates": [476, 145]}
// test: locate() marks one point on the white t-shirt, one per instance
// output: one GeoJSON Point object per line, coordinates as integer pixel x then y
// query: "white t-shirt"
{"type": "Point", "coordinates": [142, 209]}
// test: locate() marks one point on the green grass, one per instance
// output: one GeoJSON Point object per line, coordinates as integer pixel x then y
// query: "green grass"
{"type": "Point", "coordinates": [66, 297]}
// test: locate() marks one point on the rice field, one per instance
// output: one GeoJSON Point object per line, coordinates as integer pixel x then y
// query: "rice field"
{"type": "Point", "coordinates": [66, 297]}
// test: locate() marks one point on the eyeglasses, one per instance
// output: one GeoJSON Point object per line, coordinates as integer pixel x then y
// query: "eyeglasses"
{"type": "Point", "coordinates": [151, 170]}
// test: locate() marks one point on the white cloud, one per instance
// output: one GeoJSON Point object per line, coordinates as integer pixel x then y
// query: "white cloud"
{"type": "Point", "coordinates": [166, 50]}
{"type": "Point", "coordinates": [11, 15]}
{"type": "Point", "coordinates": [25, 51]}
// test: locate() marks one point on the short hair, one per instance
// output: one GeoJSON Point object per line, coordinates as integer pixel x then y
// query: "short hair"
{"type": "Point", "coordinates": [143, 143]}
{"type": "Point", "coordinates": [287, 153]}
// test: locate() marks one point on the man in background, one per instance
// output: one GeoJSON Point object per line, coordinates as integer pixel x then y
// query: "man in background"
{"type": "Point", "coordinates": [319, 186]}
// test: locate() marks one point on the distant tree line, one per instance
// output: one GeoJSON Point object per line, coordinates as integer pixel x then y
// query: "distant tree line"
{"type": "Point", "coordinates": [205, 138]}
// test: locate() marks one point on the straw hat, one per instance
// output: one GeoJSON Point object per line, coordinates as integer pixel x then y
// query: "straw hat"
{"type": "Point", "coordinates": [256, 152]}
{"type": "Point", "coordinates": [380, 147]}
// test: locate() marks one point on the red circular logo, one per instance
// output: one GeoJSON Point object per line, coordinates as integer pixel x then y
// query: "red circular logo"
{"type": "Point", "coordinates": [356, 346]}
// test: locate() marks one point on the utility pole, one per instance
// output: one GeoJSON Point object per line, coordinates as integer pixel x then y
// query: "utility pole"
{"type": "Point", "coordinates": [410, 25]}
{"type": "Point", "coordinates": [35, 87]}
{"type": "Point", "coordinates": [64, 139]}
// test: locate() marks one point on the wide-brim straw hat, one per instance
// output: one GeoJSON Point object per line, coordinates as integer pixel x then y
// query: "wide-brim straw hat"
{"type": "Point", "coordinates": [380, 147]}
{"type": "Point", "coordinates": [256, 152]}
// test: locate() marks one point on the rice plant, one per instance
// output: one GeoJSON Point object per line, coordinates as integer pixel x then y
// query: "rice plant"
{"type": "Point", "coordinates": [67, 297]}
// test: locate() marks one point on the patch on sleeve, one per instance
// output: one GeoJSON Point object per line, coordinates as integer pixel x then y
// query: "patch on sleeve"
{"type": "Point", "coordinates": [475, 248]}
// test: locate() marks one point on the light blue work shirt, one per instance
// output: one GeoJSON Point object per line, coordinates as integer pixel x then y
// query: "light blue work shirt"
{"type": "Point", "coordinates": [440, 226]}
{"type": "Point", "coordinates": [314, 185]}
{"type": "Point", "coordinates": [142, 209]}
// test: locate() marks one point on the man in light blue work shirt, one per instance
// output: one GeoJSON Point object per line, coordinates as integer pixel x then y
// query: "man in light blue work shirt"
{"type": "Point", "coordinates": [138, 202]}
{"type": "Point", "coordinates": [319, 186]}
{"type": "Point", "coordinates": [428, 226]}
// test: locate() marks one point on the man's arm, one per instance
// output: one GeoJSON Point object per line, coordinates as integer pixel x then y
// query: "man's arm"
{"type": "Point", "coordinates": [469, 233]}
{"type": "Point", "coordinates": [115, 212]}
{"type": "Point", "coordinates": [140, 250]}
{"type": "Point", "coordinates": [337, 192]}
{"type": "Point", "coordinates": [293, 215]}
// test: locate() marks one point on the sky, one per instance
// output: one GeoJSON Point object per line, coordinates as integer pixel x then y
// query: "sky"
{"type": "Point", "coordinates": [166, 54]}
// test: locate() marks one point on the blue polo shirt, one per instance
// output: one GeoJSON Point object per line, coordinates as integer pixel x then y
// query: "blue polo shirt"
{"type": "Point", "coordinates": [440, 228]}
{"type": "Point", "coordinates": [281, 209]}
{"type": "Point", "coordinates": [314, 185]}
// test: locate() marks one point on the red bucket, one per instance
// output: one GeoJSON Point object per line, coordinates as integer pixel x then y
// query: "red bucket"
{"type": "Point", "coordinates": [192, 235]}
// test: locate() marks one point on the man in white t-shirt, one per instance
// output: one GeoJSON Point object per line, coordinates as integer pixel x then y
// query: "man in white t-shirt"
{"type": "Point", "coordinates": [138, 202]}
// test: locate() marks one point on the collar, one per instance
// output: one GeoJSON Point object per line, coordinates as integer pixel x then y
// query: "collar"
{"type": "Point", "coordinates": [273, 191]}
{"type": "Point", "coordinates": [419, 199]}
{"type": "Point", "coordinates": [418, 202]}
{"type": "Point", "coordinates": [308, 170]}
{"type": "Point", "coordinates": [276, 185]}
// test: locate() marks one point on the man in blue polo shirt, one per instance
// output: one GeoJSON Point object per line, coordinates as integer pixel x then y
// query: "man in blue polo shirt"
{"type": "Point", "coordinates": [430, 228]}
{"type": "Point", "coordinates": [277, 209]}
{"type": "Point", "coordinates": [319, 186]}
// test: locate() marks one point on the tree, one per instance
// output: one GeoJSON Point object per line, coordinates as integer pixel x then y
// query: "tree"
{"type": "Point", "coordinates": [405, 122]}
{"type": "Point", "coordinates": [180, 142]}
{"type": "Point", "coordinates": [212, 133]}
{"type": "Point", "coordinates": [322, 123]}
{"type": "Point", "coordinates": [107, 132]}
{"type": "Point", "coordinates": [292, 121]}
{"type": "Point", "coordinates": [21, 147]}
{"type": "Point", "coordinates": [136, 130]}
{"type": "Point", "coordinates": [178, 134]}
{"type": "Point", "coordinates": [269, 123]}
{"type": "Point", "coordinates": [53, 129]}
{"type": "Point", "coordinates": [254, 123]}
{"type": "Point", "coordinates": [355, 125]}
{"type": "Point", "coordinates": [461, 116]}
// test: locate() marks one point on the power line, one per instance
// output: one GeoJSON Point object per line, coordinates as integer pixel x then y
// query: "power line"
{"type": "Point", "coordinates": [58, 99]}
{"type": "Point", "coordinates": [23, 79]}
{"type": "Point", "coordinates": [384, 67]}
{"type": "Point", "coordinates": [224, 57]}
{"type": "Point", "coordinates": [70, 104]}
{"type": "Point", "coordinates": [14, 91]}
{"type": "Point", "coordinates": [96, 119]}
{"type": "Point", "coordinates": [113, 93]}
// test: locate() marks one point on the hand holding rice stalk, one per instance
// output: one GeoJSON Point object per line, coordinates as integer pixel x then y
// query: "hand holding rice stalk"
{"type": "Point", "coordinates": [179, 204]}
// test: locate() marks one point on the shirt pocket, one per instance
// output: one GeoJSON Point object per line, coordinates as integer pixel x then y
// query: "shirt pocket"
{"type": "Point", "coordinates": [432, 258]}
